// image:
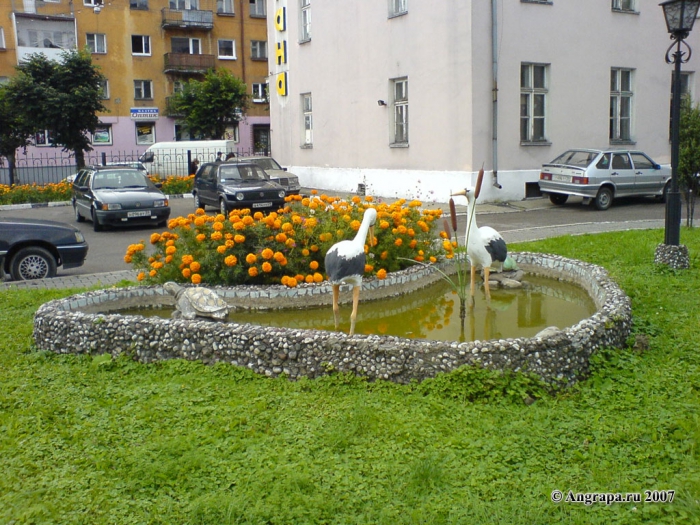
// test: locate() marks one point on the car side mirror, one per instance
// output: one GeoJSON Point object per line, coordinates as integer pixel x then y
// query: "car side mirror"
{"type": "Point", "coordinates": [158, 185]}
{"type": "Point", "coordinates": [657, 167]}
{"type": "Point", "coordinates": [83, 188]}
{"type": "Point", "coordinates": [284, 169]}
{"type": "Point", "coordinates": [147, 157]}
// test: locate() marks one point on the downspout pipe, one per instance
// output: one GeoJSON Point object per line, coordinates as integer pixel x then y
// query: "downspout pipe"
{"type": "Point", "coordinates": [494, 77]}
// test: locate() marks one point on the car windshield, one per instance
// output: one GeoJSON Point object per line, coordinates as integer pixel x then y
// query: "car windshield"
{"type": "Point", "coordinates": [267, 164]}
{"type": "Point", "coordinates": [115, 180]}
{"type": "Point", "coordinates": [241, 172]}
{"type": "Point", "coordinates": [576, 158]}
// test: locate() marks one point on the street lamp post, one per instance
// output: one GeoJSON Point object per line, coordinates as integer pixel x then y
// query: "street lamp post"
{"type": "Point", "coordinates": [680, 17]}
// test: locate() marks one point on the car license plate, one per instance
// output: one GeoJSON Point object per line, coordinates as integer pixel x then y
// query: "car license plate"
{"type": "Point", "coordinates": [561, 178]}
{"type": "Point", "coordinates": [144, 213]}
{"type": "Point", "coordinates": [262, 205]}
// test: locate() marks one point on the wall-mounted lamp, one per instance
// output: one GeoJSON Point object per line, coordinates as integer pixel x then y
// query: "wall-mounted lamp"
{"type": "Point", "coordinates": [381, 103]}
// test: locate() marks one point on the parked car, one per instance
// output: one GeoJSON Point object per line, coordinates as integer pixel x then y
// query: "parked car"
{"type": "Point", "coordinates": [599, 176]}
{"type": "Point", "coordinates": [114, 195]}
{"type": "Point", "coordinates": [234, 185]}
{"type": "Point", "coordinates": [277, 173]}
{"type": "Point", "coordinates": [33, 248]}
{"type": "Point", "coordinates": [127, 164]}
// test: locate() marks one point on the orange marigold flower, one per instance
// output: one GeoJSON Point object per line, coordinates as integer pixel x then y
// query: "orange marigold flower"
{"type": "Point", "coordinates": [381, 274]}
{"type": "Point", "coordinates": [368, 268]}
{"type": "Point", "coordinates": [200, 237]}
{"type": "Point", "coordinates": [296, 219]}
{"type": "Point", "coordinates": [305, 252]}
{"type": "Point", "coordinates": [281, 237]}
{"type": "Point", "coordinates": [369, 198]}
{"type": "Point", "coordinates": [277, 224]}
{"type": "Point", "coordinates": [411, 232]}
{"type": "Point", "coordinates": [155, 237]}
{"type": "Point", "coordinates": [229, 243]}
{"type": "Point", "coordinates": [447, 245]}
{"type": "Point", "coordinates": [299, 277]}
{"type": "Point", "coordinates": [239, 239]}
{"type": "Point", "coordinates": [141, 276]}
{"type": "Point", "coordinates": [292, 282]}
{"type": "Point", "coordinates": [231, 260]}
{"type": "Point", "coordinates": [251, 258]}
{"type": "Point", "coordinates": [412, 244]}
{"type": "Point", "coordinates": [216, 236]}
{"type": "Point", "coordinates": [384, 255]}
{"type": "Point", "coordinates": [311, 222]}
{"type": "Point", "coordinates": [355, 225]}
{"type": "Point", "coordinates": [153, 273]}
{"type": "Point", "coordinates": [171, 242]}
{"type": "Point", "coordinates": [253, 271]}
{"type": "Point", "coordinates": [238, 226]}
{"type": "Point", "coordinates": [219, 217]}
{"type": "Point", "coordinates": [356, 199]}
{"type": "Point", "coordinates": [313, 265]}
{"type": "Point", "coordinates": [318, 277]}
{"type": "Point", "coordinates": [313, 205]}
{"type": "Point", "coordinates": [290, 243]}
{"type": "Point", "coordinates": [199, 211]}
{"type": "Point", "coordinates": [283, 261]}
{"type": "Point", "coordinates": [398, 242]}
{"type": "Point", "coordinates": [187, 259]}
{"type": "Point", "coordinates": [248, 220]}
{"type": "Point", "coordinates": [127, 259]}
{"type": "Point", "coordinates": [402, 229]}
{"type": "Point", "coordinates": [221, 249]}
{"type": "Point", "coordinates": [170, 250]}
{"type": "Point", "coordinates": [200, 221]}
{"type": "Point", "coordinates": [267, 254]}
{"type": "Point", "coordinates": [284, 279]}
{"type": "Point", "coordinates": [340, 233]}
{"type": "Point", "coordinates": [266, 267]}
{"type": "Point", "coordinates": [314, 248]}
{"type": "Point", "coordinates": [347, 218]}
{"type": "Point", "coordinates": [287, 227]}
{"type": "Point", "coordinates": [418, 258]}
{"type": "Point", "coordinates": [169, 259]}
{"type": "Point", "coordinates": [218, 226]}
{"type": "Point", "coordinates": [195, 266]}
{"type": "Point", "coordinates": [196, 278]}
{"type": "Point", "coordinates": [314, 192]}
{"type": "Point", "coordinates": [278, 256]}
{"type": "Point", "coordinates": [383, 225]}
{"type": "Point", "coordinates": [433, 259]}
{"type": "Point", "coordinates": [309, 278]}
{"type": "Point", "coordinates": [305, 201]}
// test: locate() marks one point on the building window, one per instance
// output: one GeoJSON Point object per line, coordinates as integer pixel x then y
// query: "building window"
{"type": "Point", "coordinates": [258, 50]}
{"type": "Point", "coordinates": [307, 109]}
{"type": "Point", "coordinates": [143, 89]}
{"type": "Point", "coordinates": [400, 103]}
{"type": "Point", "coordinates": [533, 102]}
{"type": "Point", "coordinates": [140, 45]}
{"type": "Point", "coordinates": [257, 8]}
{"type": "Point", "coordinates": [225, 7]}
{"type": "Point", "coordinates": [305, 25]}
{"type": "Point", "coordinates": [620, 105]}
{"type": "Point", "coordinates": [259, 92]}
{"type": "Point", "coordinates": [2, 38]}
{"type": "Point", "coordinates": [187, 46]}
{"type": "Point", "coordinates": [145, 133]}
{"type": "Point", "coordinates": [138, 4]}
{"type": "Point", "coordinates": [102, 135]}
{"type": "Point", "coordinates": [104, 89]}
{"type": "Point", "coordinates": [624, 5]}
{"type": "Point", "coordinates": [181, 5]}
{"type": "Point", "coordinates": [227, 49]}
{"type": "Point", "coordinates": [97, 43]}
{"type": "Point", "coordinates": [398, 7]}
{"type": "Point", "coordinates": [43, 138]}
{"type": "Point", "coordinates": [92, 3]}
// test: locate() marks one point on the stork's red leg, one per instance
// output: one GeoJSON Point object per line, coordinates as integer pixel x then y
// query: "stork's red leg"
{"type": "Point", "coordinates": [336, 308]}
{"type": "Point", "coordinates": [355, 302]}
{"type": "Point", "coordinates": [487, 271]}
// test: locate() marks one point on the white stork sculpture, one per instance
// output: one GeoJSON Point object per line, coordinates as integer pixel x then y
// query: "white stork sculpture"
{"type": "Point", "coordinates": [485, 245]}
{"type": "Point", "coordinates": [345, 263]}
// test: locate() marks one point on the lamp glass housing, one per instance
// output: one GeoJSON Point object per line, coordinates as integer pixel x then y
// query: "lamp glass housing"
{"type": "Point", "coordinates": [680, 15]}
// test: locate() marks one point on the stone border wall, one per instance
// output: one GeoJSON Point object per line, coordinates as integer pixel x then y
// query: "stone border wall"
{"type": "Point", "coordinates": [560, 357]}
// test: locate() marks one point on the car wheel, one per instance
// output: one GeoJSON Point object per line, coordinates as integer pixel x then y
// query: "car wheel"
{"type": "Point", "coordinates": [664, 194]}
{"type": "Point", "coordinates": [198, 203]}
{"type": "Point", "coordinates": [78, 217]}
{"type": "Point", "coordinates": [222, 207]}
{"type": "Point", "coordinates": [558, 199]}
{"type": "Point", "coordinates": [604, 199]}
{"type": "Point", "coordinates": [96, 226]}
{"type": "Point", "coordinates": [32, 263]}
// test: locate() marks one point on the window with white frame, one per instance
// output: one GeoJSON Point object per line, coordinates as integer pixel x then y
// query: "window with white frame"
{"type": "Point", "coordinates": [181, 5]}
{"type": "Point", "coordinates": [533, 102]}
{"type": "Point", "coordinates": [140, 45]}
{"type": "Point", "coordinates": [227, 49]}
{"type": "Point", "coordinates": [145, 132]}
{"type": "Point", "coordinates": [305, 25]}
{"type": "Point", "coordinates": [97, 43]}
{"type": "Point", "coordinates": [621, 92]}
{"type": "Point", "coordinates": [102, 135]}
{"type": "Point", "coordinates": [398, 7]}
{"type": "Point", "coordinates": [138, 4]}
{"type": "Point", "coordinates": [143, 90]}
{"type": "Point", "coordinates": [258, 49]}
{"type": "Point", "coordinates": [400, 106]}
{"type": "Point", "coordinates": [187, 46]}
{"type": "Point", "coordinates": [624, 5]}
{"type": "Point", "coordinates": [259, 92]}
{"type": "Point", "coordinates": [308, 122]}
{"type": "Point", "coordinates": [257, 8]}
{"type": "Point", "coordinates": [2, 38]}
{"type": "Point", "coordinates": [43, 138]}
{"type": "Point", "coordinates": [92, 3]}
{"type": "Point", "coordinates": [104, 89]}
{"type": "Point", "coordinates": [225, 7]}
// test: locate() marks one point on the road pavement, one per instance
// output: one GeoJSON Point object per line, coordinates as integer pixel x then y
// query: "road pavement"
{"type": "Point", "coordinates": [517, 221]}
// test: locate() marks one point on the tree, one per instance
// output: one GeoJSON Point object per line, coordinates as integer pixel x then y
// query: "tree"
{"type": "Point", "coordinates": [62, 97]}
{"type": "Point", "coordinates": [689, 158]}
{"type": "Point", "coordinates": [211, 105]}
{"type": "Point", "coordinates": [15, 130]}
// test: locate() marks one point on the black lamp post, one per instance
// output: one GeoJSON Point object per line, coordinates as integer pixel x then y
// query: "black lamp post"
{"type": "Point", "coordinates": [680, 17]}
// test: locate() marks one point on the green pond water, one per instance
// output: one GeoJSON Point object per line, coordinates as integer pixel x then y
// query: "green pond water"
{"type": "Point", "coordinates": [433, 313]}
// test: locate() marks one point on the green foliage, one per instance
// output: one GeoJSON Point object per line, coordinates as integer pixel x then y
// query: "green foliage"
{"type": "Point", "coordinates": [91, 440]}
{"type": "Point", "coordinates": [689, 155]}
{"type": "Point", "coordinates": [210, 106]}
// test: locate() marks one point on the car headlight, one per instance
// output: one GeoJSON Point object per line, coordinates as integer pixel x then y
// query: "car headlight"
{"type": "Point", "coordinates": [79, 237]}
{"type": "Point", "coordinates": [240, 196]}
{"type": "Point", "coordinates": [160, 203]}
{"type": "Point", "coordinates": [110, 206]}
{"type": "Point", "coordinates": [281, 194]}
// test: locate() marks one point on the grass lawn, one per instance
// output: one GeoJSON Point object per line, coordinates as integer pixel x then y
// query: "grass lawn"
{"type": "Point", "coordinates": [87, 440]}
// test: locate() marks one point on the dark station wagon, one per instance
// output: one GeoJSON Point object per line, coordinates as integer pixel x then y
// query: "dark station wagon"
{"type": "Point", "coordinates": [232, 185]}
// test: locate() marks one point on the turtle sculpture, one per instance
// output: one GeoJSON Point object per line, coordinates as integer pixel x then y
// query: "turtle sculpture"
{"type": "Point", "coordinates": [197, 302]}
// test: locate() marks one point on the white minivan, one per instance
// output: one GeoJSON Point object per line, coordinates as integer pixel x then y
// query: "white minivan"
{"type": "Point", "coordinates": [171, 158]}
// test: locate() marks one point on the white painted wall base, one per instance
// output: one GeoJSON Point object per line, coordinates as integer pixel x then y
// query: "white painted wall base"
{"type": "Point", "coordinates": [427, 186]}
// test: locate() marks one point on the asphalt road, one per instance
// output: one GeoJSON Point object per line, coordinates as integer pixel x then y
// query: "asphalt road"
{"type": "Point", "coordinates": [516, 221]}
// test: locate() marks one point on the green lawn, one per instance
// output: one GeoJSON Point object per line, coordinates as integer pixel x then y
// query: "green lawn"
{"type": "Point", "coordinates": [84, 440]}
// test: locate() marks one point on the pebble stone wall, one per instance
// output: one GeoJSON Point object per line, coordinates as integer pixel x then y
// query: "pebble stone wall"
{"type": "Point", "coordinates": [559, 356]}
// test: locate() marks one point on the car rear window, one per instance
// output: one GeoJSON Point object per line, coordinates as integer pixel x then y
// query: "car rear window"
{"type": "Point", "coordinates": [578, 158]}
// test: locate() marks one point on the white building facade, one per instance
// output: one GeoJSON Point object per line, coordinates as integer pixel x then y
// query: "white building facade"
{"type": "Point", "coordinates": [410, 98]}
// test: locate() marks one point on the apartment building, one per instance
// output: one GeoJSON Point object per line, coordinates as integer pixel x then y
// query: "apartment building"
{"type": "Point", "coordinates": [411, 98]}
{"type": "Point", "coordinates": [147, 49]}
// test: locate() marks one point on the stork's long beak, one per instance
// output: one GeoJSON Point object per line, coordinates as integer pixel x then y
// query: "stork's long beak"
{"type": "Point", "coordinates": [460, 192]}
{"type": "Point", "coordinates": [371, 236]}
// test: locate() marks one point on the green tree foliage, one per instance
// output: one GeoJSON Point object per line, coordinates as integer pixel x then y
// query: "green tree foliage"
{"type": "Point", "coordinates": [15, 130]}
{"type": "Point", "coordinates": [689, 158]}
{"type": "Point", "coordinates": [62, 97]}
{"type": "Point", "coordinates": [209, 106]}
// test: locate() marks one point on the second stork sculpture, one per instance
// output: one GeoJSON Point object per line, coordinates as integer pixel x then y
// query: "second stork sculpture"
{"type": "Point", "coordinates": [345, 264]}
{"type": "Point", "coordinates": [485, 246]}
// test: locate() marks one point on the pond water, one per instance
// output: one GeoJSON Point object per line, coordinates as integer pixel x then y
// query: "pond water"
{"type": "Point", "coordinates": [433, 313]}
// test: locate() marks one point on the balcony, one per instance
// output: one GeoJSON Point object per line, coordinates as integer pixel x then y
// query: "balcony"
{"type": "Point", "coordinates": [187, 19]}
{"type": "Point", "coordinates": [186, 64]}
